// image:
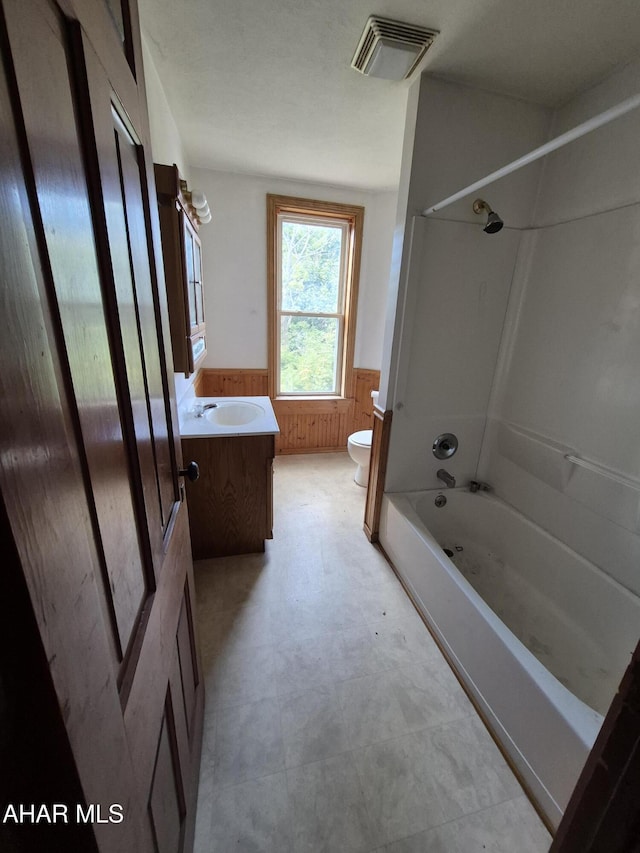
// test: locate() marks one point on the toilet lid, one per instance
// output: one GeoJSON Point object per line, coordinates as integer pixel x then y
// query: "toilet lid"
{"type": "Point", "coordinates": [362, 437]}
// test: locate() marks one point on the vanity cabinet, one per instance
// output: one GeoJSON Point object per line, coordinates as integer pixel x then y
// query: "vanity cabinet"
{"type": "Point", "coordinates": [183, 269]}
{"type": "Point", "coordinates": [231, 504]}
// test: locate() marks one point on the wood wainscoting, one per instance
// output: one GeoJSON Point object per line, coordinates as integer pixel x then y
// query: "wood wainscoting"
{"type": "Point", "coordinates": [239, 382]}
{"type": "Point", "coordinates": [306, 426]}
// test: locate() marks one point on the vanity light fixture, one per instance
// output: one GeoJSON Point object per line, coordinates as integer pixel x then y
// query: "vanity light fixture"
{"type": "Point", "coordinates": [198, 202]}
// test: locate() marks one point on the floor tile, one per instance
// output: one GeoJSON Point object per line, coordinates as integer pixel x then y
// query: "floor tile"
{"type": "Point", "coordinates": [397, 701]}
{"type": "Point", "coordinates": [361, 563]}
{"type": "Point", "coordinates": [391, 775]}
{"type": "Point", "coordinates": [429, 694]}
{"type": "Point", "coordinates": [387, 601]}
{"type": "Point", "coordinates": [314, 612]}
{"type": "Point", "coordinates": [248, 743]}
{"type": "Point", "coordinates": [204, 814]}
{"type": "Point", "coordinates": [238, 675]}
{"type": "Point", "coordinates": [234, 629]}
{"type": "Point", "coordinates": [313, 726]}
{"type": "Point", "coordinates": [401, 642]}
{"type": "Point", "coordinates": [328, 803]}
{"type": "Point", "coordinates": [229, 582]}
{"type": "Point", "coordinates": [252, 817]}
{"type": "Point", "coordinates": [463, 770]}
{"type": "Point", "coordinates": [353, 653]}
{"type": "Point", "coordinates": [303, 664]}
{"type": "Point", "coordinates": [505, 828]}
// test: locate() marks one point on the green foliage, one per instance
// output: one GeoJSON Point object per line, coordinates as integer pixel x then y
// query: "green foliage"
{"type": "Point", "coordinates": [308, 354]}
{"type": "Point", "coordinates": [310, 267]}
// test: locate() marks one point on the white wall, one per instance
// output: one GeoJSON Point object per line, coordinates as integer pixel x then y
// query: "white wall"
{"type": "Point", "coordinates": [234, 251]}
{"type": "Point", "coordinates": [569, 377]}
{"type": "Point", "coordinates": [167, 148]}
{"type": "Point", "coordinates": [453, 280]}
{"type": "Point", "coordinates": [166, 142]}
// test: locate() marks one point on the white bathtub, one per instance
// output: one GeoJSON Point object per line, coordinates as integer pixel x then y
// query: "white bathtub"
{"type": "Point", "coordinates": [542, 640]}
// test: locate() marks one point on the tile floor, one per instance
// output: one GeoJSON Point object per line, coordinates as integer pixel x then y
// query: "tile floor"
{"type": "Point", "coordinates": [332, 722]}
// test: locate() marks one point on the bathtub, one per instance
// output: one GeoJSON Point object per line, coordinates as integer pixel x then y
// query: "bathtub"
{"type": "Point", "coordinates": [539, 636]}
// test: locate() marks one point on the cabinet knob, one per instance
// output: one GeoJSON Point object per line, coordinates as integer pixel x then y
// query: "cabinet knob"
{"type": "Point", "coordinates": [191, 472]}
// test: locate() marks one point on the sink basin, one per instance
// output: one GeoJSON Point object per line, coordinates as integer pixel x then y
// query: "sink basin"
{"type": "Point", "coordinates": [234, 413]}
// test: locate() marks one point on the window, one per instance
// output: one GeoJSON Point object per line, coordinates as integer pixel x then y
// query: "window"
{"type": "Point", "coordinates": [313, 265]}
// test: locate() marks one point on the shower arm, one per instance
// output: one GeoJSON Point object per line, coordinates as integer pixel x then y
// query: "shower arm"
{"type": "Point", "coordinates": [586, 127]}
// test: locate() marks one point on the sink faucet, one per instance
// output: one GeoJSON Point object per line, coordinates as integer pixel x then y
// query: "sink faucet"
{"type": "Point", "coordinates": [200, 409]}
{"type": "Point", "coordinates": [448, 479]}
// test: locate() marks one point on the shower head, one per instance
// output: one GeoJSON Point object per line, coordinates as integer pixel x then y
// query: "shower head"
{"type": "Point", "coordinates": [494, 223]}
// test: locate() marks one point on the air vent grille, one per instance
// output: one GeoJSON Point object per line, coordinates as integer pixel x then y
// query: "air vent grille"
{"type": "Point", "coordinates": [413, 38]}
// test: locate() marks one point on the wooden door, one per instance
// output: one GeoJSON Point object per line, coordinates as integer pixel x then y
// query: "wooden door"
{"type": "Point", "coordinates": [603, 814]}
{"type": "Point", "coordinates": [89, 452]}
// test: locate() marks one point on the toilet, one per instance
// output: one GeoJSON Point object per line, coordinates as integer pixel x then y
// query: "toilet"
{"type": "Point", "coordinates": [359, 447]}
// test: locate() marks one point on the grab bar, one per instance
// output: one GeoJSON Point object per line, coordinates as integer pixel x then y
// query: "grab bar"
{"type": "Point", "coordinates": [609, 473]}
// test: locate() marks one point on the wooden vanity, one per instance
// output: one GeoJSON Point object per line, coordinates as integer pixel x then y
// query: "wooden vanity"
{"type": "Point", "coordinates": [231, 504]}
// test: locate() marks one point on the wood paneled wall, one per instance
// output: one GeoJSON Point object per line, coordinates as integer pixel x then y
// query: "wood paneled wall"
{"type": "Point", "coordinates": [232, 383]}
{"type": "Point", "coordinates": [306, 426]}
{"type": "Point", "coordinates": [364, 382]}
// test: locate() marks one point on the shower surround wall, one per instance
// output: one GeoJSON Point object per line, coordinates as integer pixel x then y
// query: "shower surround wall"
{"type": "Point", "coordinates": [568, 379]}
{"type": "Point", "coordinates": [524, 343]}
{"type": "Point", "coordinates": [452, 280]}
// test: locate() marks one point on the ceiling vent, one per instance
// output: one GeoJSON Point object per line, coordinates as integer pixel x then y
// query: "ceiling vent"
{"type": "Point", "coordinates": [391, 49]}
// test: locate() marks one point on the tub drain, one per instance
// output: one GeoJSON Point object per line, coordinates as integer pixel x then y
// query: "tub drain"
{"type": "Point", "coordinates": [448, 552]}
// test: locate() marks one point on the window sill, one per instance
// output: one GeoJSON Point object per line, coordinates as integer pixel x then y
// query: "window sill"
{"type": "Point", "coordinates": [292, 398]}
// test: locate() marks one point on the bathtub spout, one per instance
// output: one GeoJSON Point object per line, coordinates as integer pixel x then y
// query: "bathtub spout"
{"type": "Point", "coordinates": [448, 479]}
{"type": "Point", "coordinates": [476, 486]}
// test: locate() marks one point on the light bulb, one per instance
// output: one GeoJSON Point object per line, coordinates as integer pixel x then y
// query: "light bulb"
{"type": "Point", "coordinates": [198, 199]}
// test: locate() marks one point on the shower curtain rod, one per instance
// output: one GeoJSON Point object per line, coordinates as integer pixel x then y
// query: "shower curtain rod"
{"type": "Point", "coordinates": [586, 127]}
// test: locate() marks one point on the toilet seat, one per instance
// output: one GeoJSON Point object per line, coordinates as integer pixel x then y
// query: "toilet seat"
{"type": "Point", "coordinates": [362, 438]}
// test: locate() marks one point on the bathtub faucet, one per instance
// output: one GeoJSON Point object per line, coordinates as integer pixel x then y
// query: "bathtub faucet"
{"type": "Point", "coordinates": [448, 479]}
{"type": "Point", "coordinates": [477, 486]}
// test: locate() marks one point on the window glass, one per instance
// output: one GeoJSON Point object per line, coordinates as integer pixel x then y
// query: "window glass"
{"type": "Point", "coordinates": [313, 263]}
{"type": "Point", "coordinates": [310, 267]}
{"type": "Point", "coordinates": [309, 354]}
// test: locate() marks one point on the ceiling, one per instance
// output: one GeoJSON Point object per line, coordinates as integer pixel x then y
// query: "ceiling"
{"type": "Point", "coordinates": [265, 86]}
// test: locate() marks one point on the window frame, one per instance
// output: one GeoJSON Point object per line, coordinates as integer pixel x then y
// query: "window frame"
{"type": "Point", "coordinates": [352, 217]}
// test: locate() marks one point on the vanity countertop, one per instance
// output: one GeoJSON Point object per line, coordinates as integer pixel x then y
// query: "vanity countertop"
{"type": "Point", "coordinates": [230, 416]}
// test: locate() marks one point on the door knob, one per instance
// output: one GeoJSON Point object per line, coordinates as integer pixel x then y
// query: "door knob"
{"type": "Point", "coordinates": [191, 472]}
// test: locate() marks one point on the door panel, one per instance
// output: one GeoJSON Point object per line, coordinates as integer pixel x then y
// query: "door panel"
{"type": "Point", "coordinates": [166, 803]}
{"type": "Point", "coordinates": [89, 458]}
{"type": "Point", "coordinates": [112, 186]}
{"type": "Point", "coordinates": [112, 238]}
{"type": "Point", "coordinates": [130, 173]}
{"type": "Point", "coordinates": [187, 662]}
